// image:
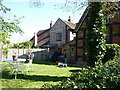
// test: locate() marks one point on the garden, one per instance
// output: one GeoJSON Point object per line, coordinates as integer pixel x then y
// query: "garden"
{"type": "Point", "coordinates": [103, 64]}
{"type": "Point", "coordinates": [48, 75]}
{"type": "Point", "coordinates": [43, 72]}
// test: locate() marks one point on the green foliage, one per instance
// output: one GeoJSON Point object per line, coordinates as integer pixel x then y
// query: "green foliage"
{"type": "Point", "coordinates": [101, 76]}
{"type": "Point", "coordinates": [25, 44]}
{"type": "Point", "coordinates": [7, 26]}
{"type": "Point", "coordinates": [5, 51]}
{"type": "Point", "coordinates": [95, 42]}
{"type": "Point", "coordinates": [111, 53]}
{"type": "Point", "coordinates": [15, 45]}
{"type": "Point", "coordinates": [3, 8]}
{"type": "Point", "coordinates": [28, 43]}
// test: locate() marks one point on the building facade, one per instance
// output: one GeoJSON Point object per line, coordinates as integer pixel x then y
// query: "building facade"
{"type": "Point", "coordinates": [56, 36]}
{"type": "Point", "coordinates": [113, 36]}
{"type": "Point", "coordinates": [61, 32]}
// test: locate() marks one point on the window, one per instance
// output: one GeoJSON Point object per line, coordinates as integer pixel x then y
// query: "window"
{"type": "Point", "coordinates": [59, 37]}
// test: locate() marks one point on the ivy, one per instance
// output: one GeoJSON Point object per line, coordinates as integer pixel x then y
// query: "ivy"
{"type": "Point", "coordinates": [95, 42]}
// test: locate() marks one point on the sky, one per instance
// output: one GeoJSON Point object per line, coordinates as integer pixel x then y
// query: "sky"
{"type": "Point", "coordinates": [37, 18]}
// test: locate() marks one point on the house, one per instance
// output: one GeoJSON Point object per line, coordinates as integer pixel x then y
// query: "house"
{"type": "Point", "coordinates": [80, 39]}
{"type": "Point", "coordinates": [68, 51]}
{"type": "Point", "coordinates": [56, 36]}
{"type": "Point", "coordinates": [61, 32]}
{"type": "Point", "coordinates": [77, 46]}
{"type": "Point", "coordinates": [113, 27]}
{"type": "Point", "coordinates": [113, 36]}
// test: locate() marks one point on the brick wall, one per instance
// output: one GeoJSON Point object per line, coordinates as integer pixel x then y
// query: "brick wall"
{"type": "Point", "coordinates": [113, 36]}
{"type": "Point", "coordinates": [59, 27]}
{"type": "Point", "coordinates": [69, 51]}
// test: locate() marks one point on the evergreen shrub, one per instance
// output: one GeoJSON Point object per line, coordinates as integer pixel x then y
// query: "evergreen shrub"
{"type": "Point", "coordinates": [112, 52]}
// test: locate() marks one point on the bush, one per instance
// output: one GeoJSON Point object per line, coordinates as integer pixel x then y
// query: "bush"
{"type": "Point", "coordinates": [111, 52]}
{"type": "Point", "coordinates": [101, 76]}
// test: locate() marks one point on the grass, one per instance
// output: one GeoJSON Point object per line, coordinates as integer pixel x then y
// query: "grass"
{"type": "Point", "coordinates": [43, 73]}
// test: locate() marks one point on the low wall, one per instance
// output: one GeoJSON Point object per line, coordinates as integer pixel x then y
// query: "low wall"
{"type": "Point", "coordinates": [39, 54]}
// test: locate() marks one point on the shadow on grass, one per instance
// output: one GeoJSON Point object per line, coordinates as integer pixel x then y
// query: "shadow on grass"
{"type": "Point", "coordinates": [5, 75]}
{"type": "Point", "coordinates": [78, 70]}
{"type": "Point", "coordinates": [52, 63]}
{"type": "Point", "coordinates": [44, 62]}
{"type": "Point", "coordinates": [44, 78]}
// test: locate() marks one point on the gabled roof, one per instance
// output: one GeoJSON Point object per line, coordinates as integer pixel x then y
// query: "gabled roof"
{"type": "Point", "coordinates": [43, 42]}
{"type": "Point", "coordinates": [71, 25]}
{"type": "Point", "coordinates": [83, 17]}
{"type": "Point", "coordinates": [85, 14]}
{"type": "Point", "coordinates": [40, 32]}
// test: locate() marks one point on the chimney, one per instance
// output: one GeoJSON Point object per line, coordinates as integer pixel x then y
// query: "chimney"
{"type": "Point", "coordinates": [69, 19]}
{"type": "Point", "coordinates": [50, 24]}
{"type": "Point", "coordinates": [35, 42]}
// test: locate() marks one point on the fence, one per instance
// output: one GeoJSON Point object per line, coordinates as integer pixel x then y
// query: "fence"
{"type": "Point", "coordinates": [39, 54]}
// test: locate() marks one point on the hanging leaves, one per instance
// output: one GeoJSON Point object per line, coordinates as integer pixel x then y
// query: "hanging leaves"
{"type": "Point", "coordinates": [7, 27]}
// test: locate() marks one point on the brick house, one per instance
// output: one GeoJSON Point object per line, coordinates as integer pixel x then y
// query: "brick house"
{"type": "Point", "coordinates": [113, 36]}
{"type": "Point", "coordinates": [69, 51]}
{"type": "Point", "coordinates": [57, 35]}
{"type": "Point", "coordinates": [77, 46]}
{"type": "Point", "coordinates": [113, 27]}
{"type": "Point", "coordinates": [61, 32]}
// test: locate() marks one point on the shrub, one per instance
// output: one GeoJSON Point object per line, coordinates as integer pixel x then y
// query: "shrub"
{"type": "Point", "coordinates": [101, 76]}
{"type": "Point", "coordinates": [111, 52]}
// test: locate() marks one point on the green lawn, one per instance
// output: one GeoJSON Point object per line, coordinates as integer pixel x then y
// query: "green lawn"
{"type": "Point", "coordinates": [43, 73]}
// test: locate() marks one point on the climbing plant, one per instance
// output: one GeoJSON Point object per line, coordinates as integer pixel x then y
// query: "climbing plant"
{"type": "Point", "coordinates": [95, 42]}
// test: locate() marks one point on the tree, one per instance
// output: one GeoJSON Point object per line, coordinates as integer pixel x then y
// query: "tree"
{"type": "Point", "coordinates": [7, 27]}
{"type": "Point", "coordinates": [26, 44]}
{"type": "Point", "coordinates": [36, 3]}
